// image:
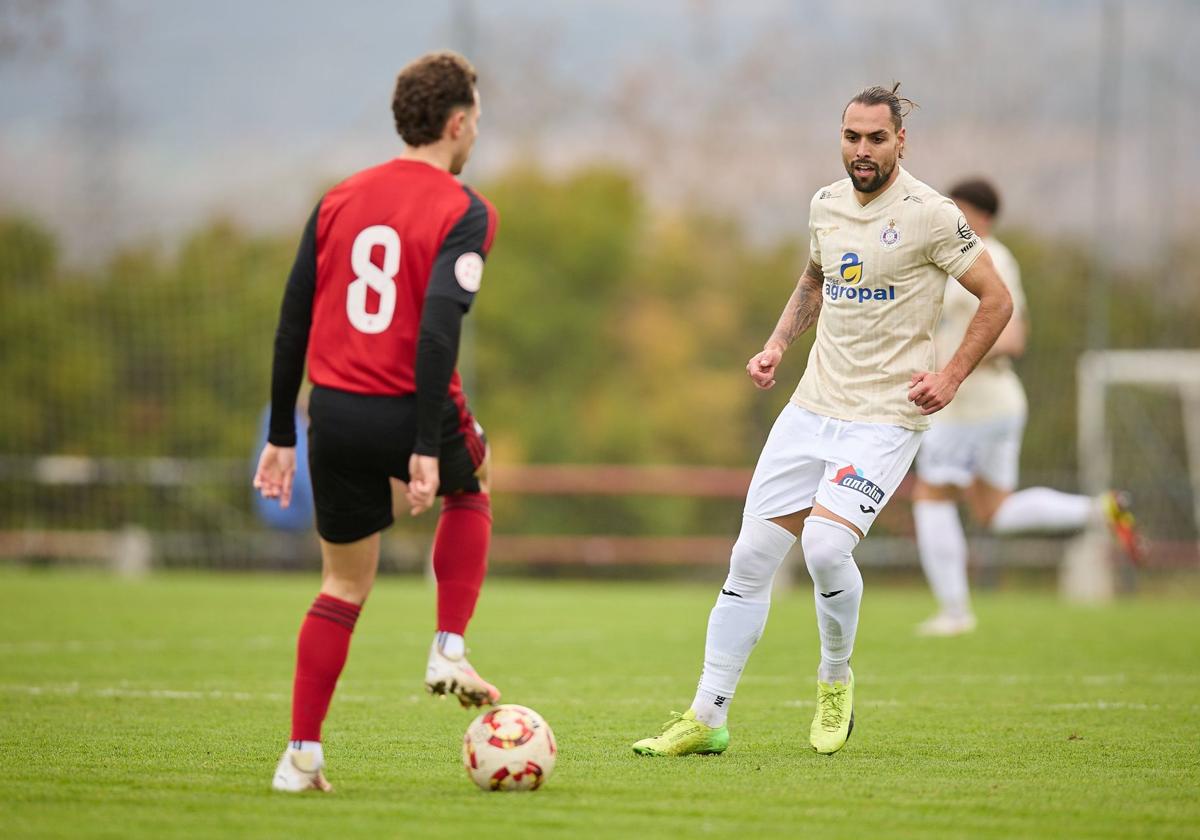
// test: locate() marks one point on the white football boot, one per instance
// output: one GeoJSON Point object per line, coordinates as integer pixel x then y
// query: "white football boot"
{"type": "Point", "coordinates": [301, 770]}
{"type": "Point", "coordinates": [944, 624]}
{"type": "Point", "coordinates": [454, 675]}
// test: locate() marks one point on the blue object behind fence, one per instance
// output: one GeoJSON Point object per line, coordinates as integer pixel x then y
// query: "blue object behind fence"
{"type": "Point", "coordinates": [299, 515]}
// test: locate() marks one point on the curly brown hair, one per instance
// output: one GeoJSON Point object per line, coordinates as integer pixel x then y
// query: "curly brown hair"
{"type": "Point", "coordinates": [427, 92]}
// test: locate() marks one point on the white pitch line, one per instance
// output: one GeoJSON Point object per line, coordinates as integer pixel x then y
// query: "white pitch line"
{"type": "Point", "coordinates": [806, 704]}
{"type": "Point", "coordinates": [1121, 706]}
{"type": "Point", "coordinates": [80, 646]}
{"type": "Point", "coordinates": [75, 689]}
{"type": "Point", "coordinates": [88, 646]}
{"type": "Point", "coordinates": [1104, 706]}
{"type": "Point", "coordinates": [1026, 679]}
{"type": "Point", "coordinates": [126, 692]}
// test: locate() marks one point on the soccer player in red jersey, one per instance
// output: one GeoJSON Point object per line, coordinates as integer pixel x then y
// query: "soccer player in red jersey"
{"type": "Point", "coordinates": [389, 263]}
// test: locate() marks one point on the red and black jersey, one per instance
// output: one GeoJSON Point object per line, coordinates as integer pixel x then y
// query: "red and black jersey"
{"type": "Point", "coordinates": [389, 263]}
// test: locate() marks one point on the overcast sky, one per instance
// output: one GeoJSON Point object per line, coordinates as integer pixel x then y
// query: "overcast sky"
{"type": "Point", "coordinates": [140, 119]}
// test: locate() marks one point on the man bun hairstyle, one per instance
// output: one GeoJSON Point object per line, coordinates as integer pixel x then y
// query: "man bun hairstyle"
{"type": "Point", "coordinates": [427, 92]}
{"type": "Point", "coordinates": [979, 193]}
{"type": "Point", "coordinates": [899, 106]}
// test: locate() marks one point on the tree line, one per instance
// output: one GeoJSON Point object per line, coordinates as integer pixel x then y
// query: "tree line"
{"type": "Point", "coordinates": [607, 331]}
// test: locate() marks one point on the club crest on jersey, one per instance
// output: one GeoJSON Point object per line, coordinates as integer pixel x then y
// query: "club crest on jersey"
{"type": "Point", "coordinates": [890, 236]}
{"type": "Point", "coordinates": [852, 269]}
{"type": "Point", "coordinates": [468, 271]}
{"type": "Point", "coordinates": [852, 477]}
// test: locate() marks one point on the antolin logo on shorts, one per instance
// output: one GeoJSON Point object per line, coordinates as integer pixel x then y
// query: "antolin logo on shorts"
{"type": "Point", "coordinates": [846, 284]}
{"type": "Point", "coordinates": [850, 476]}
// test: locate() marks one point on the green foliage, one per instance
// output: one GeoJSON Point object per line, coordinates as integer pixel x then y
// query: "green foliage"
{"type": "Point", "coordinates": [607, 331]}
{"type": "Point", "coordinates": [562, 262]}
{"type": "Point", "coordinates": [149, 355]}
{"type": "Point", "coordinates": [28, 254]}
{"type": "Point", "coordinates": [158, 709]}
{"type": "Point", "coordinates": [607, 335]}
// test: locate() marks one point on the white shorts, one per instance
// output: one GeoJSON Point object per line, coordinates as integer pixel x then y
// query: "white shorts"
{"type": "Point", "coordinates": [850, 468]}
{"type": "Point", "coordinates": [959, 453]}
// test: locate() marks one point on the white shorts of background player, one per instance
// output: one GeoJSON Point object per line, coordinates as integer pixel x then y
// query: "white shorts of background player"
{"type": "Point", "coordinates": [959, 453]}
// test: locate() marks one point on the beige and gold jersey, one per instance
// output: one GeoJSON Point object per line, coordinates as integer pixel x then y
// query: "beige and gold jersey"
{"type": "Point", "coordinates": [992, 391]}
{"type": "Point", "coordinates": [885, 267]}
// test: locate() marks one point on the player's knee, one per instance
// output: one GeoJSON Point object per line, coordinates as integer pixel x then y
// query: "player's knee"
{"type": "Point", "coordinates": [983, 505]}
{"type": "Point", "coordinates": [759, 551]}
{"type": "Point", "coordinates": [352, 589]}
{"type": "Point", "coordinates": [982, 516]}
{"type": "Point", "coordinates": [923, 491]}
{"type": "Point", "coordinates": [827, 545]}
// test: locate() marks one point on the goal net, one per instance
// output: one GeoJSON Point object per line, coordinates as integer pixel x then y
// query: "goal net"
{"type": "Point", "coordinates": [1139, 429]}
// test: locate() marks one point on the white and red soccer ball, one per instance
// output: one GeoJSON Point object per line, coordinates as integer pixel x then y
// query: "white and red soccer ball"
{"type": "Point", "coordinates": [509, 747]}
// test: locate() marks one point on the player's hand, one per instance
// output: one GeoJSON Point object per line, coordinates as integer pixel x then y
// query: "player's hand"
{"type": "Point", "coordinates": [761, 366]}
{"type": "Point", "coordinates": [422, 483]}
{"type": "Point", "coordinates": [932, 392]}
{"type": "Point", "coordinates": [275, 473]}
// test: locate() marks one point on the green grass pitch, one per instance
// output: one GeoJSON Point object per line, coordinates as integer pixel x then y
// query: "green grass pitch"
{"type": "Point", "coordinates": [159, 708]}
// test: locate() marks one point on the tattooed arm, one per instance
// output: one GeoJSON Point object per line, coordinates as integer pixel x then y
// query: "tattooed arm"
{"type": "Point", "coordinates": [800, 313]}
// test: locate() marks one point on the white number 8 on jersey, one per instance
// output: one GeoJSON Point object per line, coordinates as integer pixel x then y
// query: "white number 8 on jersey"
{"type": "Point", "coordinates": [367, 275]}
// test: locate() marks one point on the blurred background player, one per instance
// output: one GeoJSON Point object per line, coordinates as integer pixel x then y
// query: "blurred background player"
{"type": "Point", "coordinates": [974, 446]}
{"type": "Point", "coordinates": [388, 265]}
{"type": "Point", "coordinates": [881, 245]}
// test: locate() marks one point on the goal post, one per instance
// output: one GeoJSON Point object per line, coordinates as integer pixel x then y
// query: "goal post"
{"type": "Point", "coordinates": [1087, 575]}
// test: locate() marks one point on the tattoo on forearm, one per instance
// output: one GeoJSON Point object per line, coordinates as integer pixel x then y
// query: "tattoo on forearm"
{"type": "Point", "coordinates": [802, 308]}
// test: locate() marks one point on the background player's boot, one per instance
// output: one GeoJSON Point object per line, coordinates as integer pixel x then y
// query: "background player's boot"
{"type": "Point", "coordinates": [684, 735]}
{"type": "Point", "coordinates": [834, 720]}
{"type": "Point", "coordinates": [454, 675]}
{"type": "Point", "coordinates": [946, 624]}
{"type": "Point", "coordinates": [301, 770]}
{"type": "Point", "coordinates": [1121, 522]}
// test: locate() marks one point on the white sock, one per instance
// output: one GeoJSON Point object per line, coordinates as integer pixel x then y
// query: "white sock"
{"type": "Point", "coordinates": [943, 549]}
{"type": "Point", "coordinates": [451, 645]}
{"type": "Point", "coordinates": [837, 591]}
{"type": "Point", "coordinates": [711, 709]}
{"type": "Point", "coordinates": [309, 746]}
{"type": "Point", "coordinates": [1042, 509]}
{"type": "Point", "coordinates": [736, 622]}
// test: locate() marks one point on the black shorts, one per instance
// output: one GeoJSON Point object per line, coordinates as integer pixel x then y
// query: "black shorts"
{"type": "Point", "coordinates": [356, 442]}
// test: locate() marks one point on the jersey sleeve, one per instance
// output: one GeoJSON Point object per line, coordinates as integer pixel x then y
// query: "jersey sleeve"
{"type": "Point", "coordinates": [458, 268]}
{"type": "Point", "coordinates": [814, 247]}
{"type": "Point", "coordinates": [952, 245]}
{"type": "Point", "coordinates": [291, 337]}
{"type": "Point", "coordinates": [437, 354]}
{"type": "Point", "coordinates": [455, 279]}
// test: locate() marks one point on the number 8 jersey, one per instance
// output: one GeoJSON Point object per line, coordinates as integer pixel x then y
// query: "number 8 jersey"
{"type": "Point", "coordinates": [376, 247]}
{"type": "Point", "coordinates": [385, 239]}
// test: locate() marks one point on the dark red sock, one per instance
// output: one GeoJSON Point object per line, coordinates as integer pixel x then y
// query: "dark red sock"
{"type": "Point", "coordinates": [460, 550]}
{"type": "Point", "coordinates": [320, 655]}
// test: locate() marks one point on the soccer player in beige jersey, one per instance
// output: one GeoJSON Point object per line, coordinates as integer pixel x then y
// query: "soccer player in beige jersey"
{"type": "Point", "coordinates": [881, 246]}
{"type": "Point", "coordinates": [974, 446]}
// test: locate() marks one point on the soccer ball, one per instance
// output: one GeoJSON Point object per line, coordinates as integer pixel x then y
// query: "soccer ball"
{"type": "Point", "coordinates": [509, 747]}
